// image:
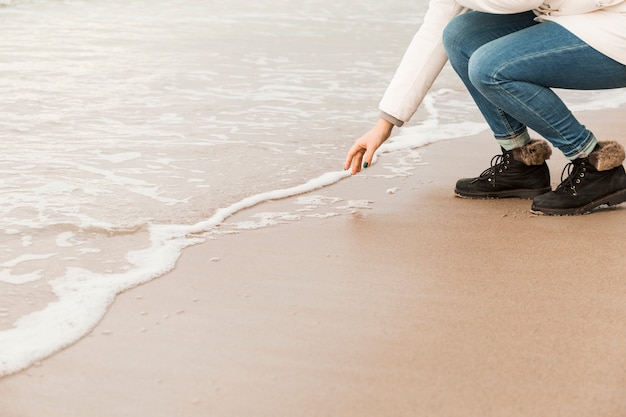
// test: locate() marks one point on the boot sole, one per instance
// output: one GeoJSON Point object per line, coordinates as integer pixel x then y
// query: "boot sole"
{"type": "Point", "coordinates": [610, 200]}
{"type": "Point", "coordinates": [525, 194]}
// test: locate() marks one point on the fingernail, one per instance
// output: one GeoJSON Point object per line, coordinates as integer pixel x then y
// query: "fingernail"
{"type": "Point", "coordinates": [365, 164]}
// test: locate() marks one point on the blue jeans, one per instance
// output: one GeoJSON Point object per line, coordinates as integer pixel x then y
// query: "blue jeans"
{"type": "Point", "coordinates": [509, 63]}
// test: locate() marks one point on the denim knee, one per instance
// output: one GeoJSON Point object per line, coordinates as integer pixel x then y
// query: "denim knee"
{"type": "Point", "coordinates": [483, 67]}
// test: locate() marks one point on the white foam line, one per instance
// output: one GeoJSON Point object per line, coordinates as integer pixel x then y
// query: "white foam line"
{"type": "Point", "coordinates": [223, 213]}
{"type": "Point", "coordinates": [26, 258]}
{"type": "Point", "coordinates": [42, 333]}
{"type": "Point", "coordinates": [428, 132]}
{"type": "Point", "coordinates": [6, 276]}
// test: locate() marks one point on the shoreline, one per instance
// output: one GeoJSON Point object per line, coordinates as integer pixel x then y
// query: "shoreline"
{"type": "Point", "coordinates": [407, 306]}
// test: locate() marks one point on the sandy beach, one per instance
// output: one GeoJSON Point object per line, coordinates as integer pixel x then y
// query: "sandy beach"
{"type": "Point", "coordinates": [422, 304]}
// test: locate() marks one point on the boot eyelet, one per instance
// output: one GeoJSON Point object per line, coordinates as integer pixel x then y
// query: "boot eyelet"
{"type": "Point", "coordinates": [577, 181]}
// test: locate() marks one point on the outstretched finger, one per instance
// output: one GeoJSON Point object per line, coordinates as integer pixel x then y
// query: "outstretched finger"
{"type": "Point", "coordinates": [354, 159]}
{"type": "Point", "coordinates": [356, 163]}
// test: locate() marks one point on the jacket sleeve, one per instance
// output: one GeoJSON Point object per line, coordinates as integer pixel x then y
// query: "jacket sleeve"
{"type": "Point", "coordinates": [421, 63]}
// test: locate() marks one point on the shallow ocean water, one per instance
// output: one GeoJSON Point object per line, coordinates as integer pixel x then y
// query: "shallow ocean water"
{"type": "Point", "coordinates": [131, 129]}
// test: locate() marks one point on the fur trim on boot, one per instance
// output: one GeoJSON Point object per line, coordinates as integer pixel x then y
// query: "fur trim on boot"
{"type": "Point", "coordinates": [608, 155]}
{"type": "Point", "coordinates": [536, 152]}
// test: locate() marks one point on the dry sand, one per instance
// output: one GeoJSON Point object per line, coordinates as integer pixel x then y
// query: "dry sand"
{"type": "Point", "coordinates": [423, 305]}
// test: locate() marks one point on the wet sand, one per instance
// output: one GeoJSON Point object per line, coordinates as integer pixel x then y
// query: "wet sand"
{"type": "Point", "coordinates": [421, 305]}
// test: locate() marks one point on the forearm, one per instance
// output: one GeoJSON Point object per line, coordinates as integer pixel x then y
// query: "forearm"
{"type": "Point", "coordinates": [384, 128]}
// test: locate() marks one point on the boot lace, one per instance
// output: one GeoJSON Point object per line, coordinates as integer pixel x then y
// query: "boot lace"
{"type": "Point", "coordinates": [497, 165]}
{"type": "Point", "coordinates": [576, 171]}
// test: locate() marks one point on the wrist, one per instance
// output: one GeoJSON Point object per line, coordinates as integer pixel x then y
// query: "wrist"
{"type": "Point", "coordinates": [384, 127]}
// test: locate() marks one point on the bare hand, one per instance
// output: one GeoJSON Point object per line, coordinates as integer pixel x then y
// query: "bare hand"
{"type": "Point", "coordinates": [362, 152]}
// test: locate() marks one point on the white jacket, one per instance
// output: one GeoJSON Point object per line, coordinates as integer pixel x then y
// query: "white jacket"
{"type": "Point", "coordinates": [600, 23]}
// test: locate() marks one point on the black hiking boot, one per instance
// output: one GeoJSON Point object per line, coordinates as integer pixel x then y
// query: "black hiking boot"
{"type": "Point", "coordinates": [591, 182]}
{"type": "Point", "coordinates": [521, 173]}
